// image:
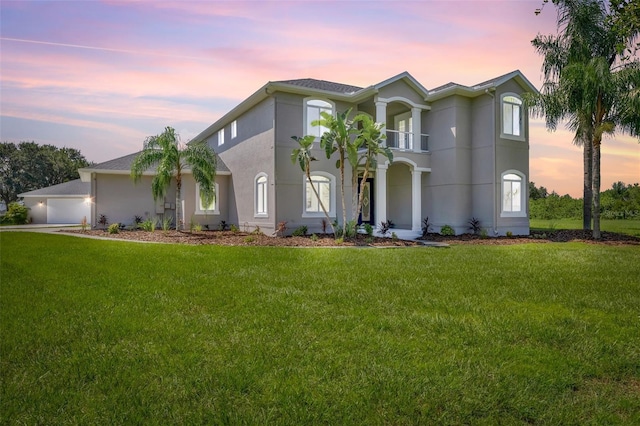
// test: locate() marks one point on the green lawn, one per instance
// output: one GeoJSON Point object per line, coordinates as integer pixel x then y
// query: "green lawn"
{"type": "Point", "coordinates": [108, 332]}
{"type": "Point", "coordinates": [628, 226]}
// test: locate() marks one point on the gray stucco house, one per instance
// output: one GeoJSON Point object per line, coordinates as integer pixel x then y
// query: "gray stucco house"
{"type": "Point", "coordinates": [459, 152]}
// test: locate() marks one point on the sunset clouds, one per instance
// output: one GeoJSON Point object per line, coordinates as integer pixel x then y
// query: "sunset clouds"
{"type": "Point", "coordinates": [101, 76]}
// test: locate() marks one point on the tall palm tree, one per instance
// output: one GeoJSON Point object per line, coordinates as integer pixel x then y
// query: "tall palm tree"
{"type": "Point", "coordinates": [363, 153]}
{"type": "Point", "coordinates": [337, 138]}
{"type": "Point", "coordinates": [587, 84]}
{"type": "Point", "coordinates": [172, 159]}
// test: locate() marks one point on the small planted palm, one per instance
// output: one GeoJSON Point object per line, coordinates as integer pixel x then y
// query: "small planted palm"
{"type": "Point", "coordinates": [171, 159]}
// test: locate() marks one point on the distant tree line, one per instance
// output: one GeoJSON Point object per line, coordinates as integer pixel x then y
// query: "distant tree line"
{"type": "Point", "coordinates": [27, 166]}
{"type": "Point", "coordinates": [621, 201]}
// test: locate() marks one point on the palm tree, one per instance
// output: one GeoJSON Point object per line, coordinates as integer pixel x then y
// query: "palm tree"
{"type": "Point", "coordinates": [302, 155]}
{"type": "Point", "coordinates": [337, 138]}
{"type": "Point", "coordinates": [364, 152]}
{"type": "Point", "coordinates": [588, 84]}
{"type": "Point", "coordinates": [171, 160]}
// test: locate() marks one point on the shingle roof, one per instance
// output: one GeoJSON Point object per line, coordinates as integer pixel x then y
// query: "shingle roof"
{"type": "Point", "coordinates": [124, 164]}
{"type": "Point", "coordinates": [328, 86]}
{"type": "Point", "coordinates": [73, 187]}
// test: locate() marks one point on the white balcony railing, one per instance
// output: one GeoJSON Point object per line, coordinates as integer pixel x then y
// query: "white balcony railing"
{"type": "Point", "coordinates": [404, 140]}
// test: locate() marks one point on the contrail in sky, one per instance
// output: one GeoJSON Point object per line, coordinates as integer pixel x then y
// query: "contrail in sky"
{"type": "Point", "coordinates": [105, 49]}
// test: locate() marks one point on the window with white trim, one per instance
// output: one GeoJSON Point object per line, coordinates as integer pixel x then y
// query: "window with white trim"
{"type": "Point", "coordinates": [512, 116]}
{"type": "Point", "coordinates": [212, 208]}
{"type": "Point", "coordinates": [513, 194]}
{"type": "Point", "coordinates": [234, 129]}
{"type": "Point", "coordinates": [312, 110]}
{"type": "Point", "coordinates": [220, 137]}
{"type": "Point", "coordinates": [261, 195]}
{"type": "Point", "coordinates": [325, 186]}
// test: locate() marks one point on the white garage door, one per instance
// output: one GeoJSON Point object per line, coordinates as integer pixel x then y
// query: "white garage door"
{"type": "Point", "coordinates": [67, 210]}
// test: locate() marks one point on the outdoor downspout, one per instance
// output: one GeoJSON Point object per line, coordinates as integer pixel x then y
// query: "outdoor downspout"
{"type": "Point", "coordinates": [495, 197]}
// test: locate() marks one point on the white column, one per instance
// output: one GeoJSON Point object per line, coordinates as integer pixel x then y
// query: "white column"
{"type": "Point", "coordinates": [381, 115]}
{"type": "Point", "coordinates": [381, 193]}
{"type": "Point", "coordinates": [416, 200]}
{"type": "Point", "coordinates": [417, 128]}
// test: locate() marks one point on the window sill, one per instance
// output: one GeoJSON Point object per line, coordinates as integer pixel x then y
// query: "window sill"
{"type": "Point", "coordinates": [513, 214]}
{"type": "Point", "coordinates": [261, 216]}
{"type": "Point", "coordinates": [512, 137]}
{"type": "Point", "coordinates": [207, 212]}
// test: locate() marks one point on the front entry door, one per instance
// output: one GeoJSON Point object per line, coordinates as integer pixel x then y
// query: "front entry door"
{"type": "Point", "coordinates": [366, 214]}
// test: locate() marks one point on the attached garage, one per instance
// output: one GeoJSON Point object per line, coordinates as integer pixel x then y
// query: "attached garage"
{"type": "Point", "coordinates": [66, 203]}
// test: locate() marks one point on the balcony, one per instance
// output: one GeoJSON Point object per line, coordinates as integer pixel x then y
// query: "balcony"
{"type": "Point", "coordinates": [404, 141]}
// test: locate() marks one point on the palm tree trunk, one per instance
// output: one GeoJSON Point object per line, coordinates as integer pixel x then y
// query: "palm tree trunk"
{"type": "Point", "coordinates": [179, 223]}
{"type": "Point", "coordinates": [344, 208]}
{"type": "Point", "coordinates": [587, 200]}
{"type": "Point", "coordinates": [596, 188]}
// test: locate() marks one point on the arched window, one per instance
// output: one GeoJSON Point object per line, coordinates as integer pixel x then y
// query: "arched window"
{"type": "Point", "coordinates": [512, 116]}
{"type": "Point", "coordinates": [312, 110]}
{"type": "Point", "coordinates": [212, 208]}
{"type": "Point", "coordinates": [325, 186]}
{"type": "Point", "coordinates": [513, 194]}
{"type": "Point", "coordinates": [261, 195]}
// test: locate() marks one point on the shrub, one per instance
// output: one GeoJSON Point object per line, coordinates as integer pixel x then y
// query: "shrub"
{"type": "Point", "coordinates": [300, 231]}
{"type": "Point", "coordinates": [447, 230]}
{"type": "Point", "coordinates": [394, 237]}
{"type": "Point", "coordinates": [197, 227]}
{"type": "Point", "coordinates": [426, 226]}
{"type": "Point", "coordinates": [368, 229]}
{"type": "Point", "coordinates": [339, 241]}
{"type": "Point", "coordinates": [17, 214]}
{"type": "Point", "coordinates": [474, 225]}
{"type": "Point", "coordinates": [384, 227]}
{"type": "Point", "coordinates": [314, 237]}
{"type": "Point", "coordinates": [84, 224]}
{"type": "Point", "coordinates": [114, 228]}
{"type": "Point", "coordinates": [484, 234]}
{"type": "Point", "coordinates": [137, 220]}
{"type": "Point", "coordinates": [234, 228]}
{"type": "Point", "coordinates": [249, 239]}
{"type": "Point", "coordinates": [350, 229]}
{"type": "Point", "coordinates": [102, 220]}
{"type": "Point", "coordinates": [149, 225]}
{"type": "Point", "coordinates": [509, 234]}
{"type": "Point", "coordinates": [282, 228]}
{"type": "Point", "coordinates": [257, 231]}
{"type": "Point", "coordinates": [222, 226]}
{"type": "Point", "coordinates": [166, 223]}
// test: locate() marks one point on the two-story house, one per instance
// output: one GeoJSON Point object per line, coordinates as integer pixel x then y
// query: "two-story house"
{"type": "Point", "coordinates": [460, 152]}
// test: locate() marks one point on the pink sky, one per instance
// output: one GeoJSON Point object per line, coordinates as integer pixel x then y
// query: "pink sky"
{"type": "Point", "coordinates": [102, 76]}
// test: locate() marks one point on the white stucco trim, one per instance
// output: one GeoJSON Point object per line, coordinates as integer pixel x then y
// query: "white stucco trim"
{"type": "Point", "coordinates": [404, 100]}
{"type": "Point", "coordinates": [412, 163]}
{"type": "Point", "coordinates": [523, 194]}
{"type": "Point", "coordinates": [256, 214]}
{"type": "Point", "coordinates": [503, 135]}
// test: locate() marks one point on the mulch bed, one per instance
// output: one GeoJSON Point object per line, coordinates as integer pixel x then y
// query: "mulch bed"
{"type": "Point", "coordinates": [229, 238]}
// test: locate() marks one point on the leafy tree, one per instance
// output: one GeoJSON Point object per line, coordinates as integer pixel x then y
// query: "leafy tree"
{"type": "Point", "coordinates": [302, 155]}
{"type": "Point", "coordinates": [171, 159]}
{"type": "Point", "coordinates": [590, 82]}
{"type": "Point", "coordinates": [537, 193]}
{"type": "Point", "coordinates": [27, 166]}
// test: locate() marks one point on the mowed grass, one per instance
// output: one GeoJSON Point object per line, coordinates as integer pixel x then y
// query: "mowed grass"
{"type": "Point", "coordinates": [627, 226]}
{"type": "Point", "coordinates": [108, 332]}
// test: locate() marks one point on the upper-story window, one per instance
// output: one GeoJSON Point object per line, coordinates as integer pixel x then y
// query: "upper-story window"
{"type": "Point", "coordinates": [512, 117]}
{"type": "Point", "coordinates": [312, 110]}
{"type": "Point", "coordinates": [234, 129]}
{"type": "Point", "coordinates": [220, 137]}
{"type": "Point", "coordinates": [513, 194]}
